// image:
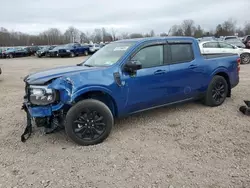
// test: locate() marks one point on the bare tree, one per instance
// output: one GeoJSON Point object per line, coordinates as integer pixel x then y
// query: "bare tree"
{"type": "Point", "coordinates": [125, 35]}
{"type": "Point", "coordinates": [152, 33]}
{"type": "Point", "coordinates": [247, 28]}
{"type": "Point", "coordinates": [176, 30]}
{"type": "Point", "coordinates": [113, 33]}
{"type": "Point", "coordinates": [72, 34]}
{"type": "Point", "coordinates": [106, 36]}
{"type": "Point", "coordinates": [135, 35]}
{"type": "Point", "coordinates": [188, 27]}
{"type": "Point", "coordinates": [198, 32]}
{"type": "Point", "coordinates": [163, 34]}
{"type": "Point", "coordinates": [97, 35]}
{"type": "Point", "coordinates": [229, 27]}
{"type": "Point", "coordinates": [84, 38]}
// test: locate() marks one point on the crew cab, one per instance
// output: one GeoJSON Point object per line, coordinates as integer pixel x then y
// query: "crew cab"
{"type": "Point", "coordinates": [215, 47]}
{"type": "Point", "coordinates": [122, 78]}
{"type": "Point", "coordinates": [73, 49]}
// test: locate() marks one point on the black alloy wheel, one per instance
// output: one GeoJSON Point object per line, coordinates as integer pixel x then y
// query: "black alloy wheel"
{"type": "Point", "coordinates": [89, 122]}
{"type": "Point", "coordinates": [89, 125]}
{"type": "Point", "coordinates": [217, 91]}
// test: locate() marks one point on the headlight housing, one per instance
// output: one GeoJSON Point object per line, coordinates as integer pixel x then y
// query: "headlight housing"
{"type": "Point", "coordinates": [67, 50]}
{"type": "Point", "coordinates": [41, 95]}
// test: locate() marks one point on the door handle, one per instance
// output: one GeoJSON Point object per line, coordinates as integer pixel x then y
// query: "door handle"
{"type": "Point", "coordinates": [159, 72]}
{"type": "Point", "coordinates": [192, 66]}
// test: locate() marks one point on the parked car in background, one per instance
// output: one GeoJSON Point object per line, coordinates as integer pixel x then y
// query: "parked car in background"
{"type": "Point", "coordinates": [248, 45]}
{"type": "Point", "coordinates": [123, 78]}
{"type": "Point", "coordinates": [208, 38]}
{"type": "Point", "coordinates": [219, 47]}
{"type": "Point", "coordinates": [234, 40]}
{"type": "Point", "coordinates": [1, 51]}
{"type": "Point", "coordinates": [55, 51]}
{"type": "Point", "coordinates": [32, 50]}
{"type": "Point", "coordinates": [44, 51]}
{"type": "Point", "coordinates": [102, 45]}
{"type": "Point", "coordinates": [73, 49]}
{"type": "Point", "coordinates": [14, 52]}
{"type": "Point", "coordinates": [94, 47]}
{"type": "Point", "coordinates": [246, 40]}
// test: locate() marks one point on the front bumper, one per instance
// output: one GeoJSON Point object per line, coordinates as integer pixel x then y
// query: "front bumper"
{"type": "Point", "coordinates": [42, 111]}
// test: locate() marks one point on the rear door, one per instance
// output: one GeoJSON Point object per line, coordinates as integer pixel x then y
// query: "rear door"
{"type": "Point", "coordinates": [211, 48]}
{"type": "Point", "coordinates": [186, 72]}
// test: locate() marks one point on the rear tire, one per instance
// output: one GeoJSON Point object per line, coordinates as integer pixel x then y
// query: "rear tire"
{"type": "Point", "coordinates": [89, 122]}
{"type": "Point", "coordinates": [245, 58]}
{"type": "Point", "coordinates": [217, 91]}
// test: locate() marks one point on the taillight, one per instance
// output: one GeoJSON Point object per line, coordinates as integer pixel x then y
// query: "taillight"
{"type": "Point", "coordinates": [238, 61]}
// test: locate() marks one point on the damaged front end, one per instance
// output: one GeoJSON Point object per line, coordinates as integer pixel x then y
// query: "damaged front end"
{"type": "Point", "coordinates": [46, 105]}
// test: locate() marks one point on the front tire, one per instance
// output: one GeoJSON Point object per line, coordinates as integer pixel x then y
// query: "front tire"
{"type": "Point", "coordinates": [217, 91]}
{"type": "Point", "coordinates": [72, 54]}
{"type": "Point", "coordinates": [89, 122]}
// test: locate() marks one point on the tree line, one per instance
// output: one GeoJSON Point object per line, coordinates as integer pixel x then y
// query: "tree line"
{"type": "Point", "coordinates": [72, 34]}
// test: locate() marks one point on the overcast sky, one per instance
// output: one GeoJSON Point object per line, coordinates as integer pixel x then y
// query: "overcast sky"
{"type": "Point", "coordinates": [34, 16]}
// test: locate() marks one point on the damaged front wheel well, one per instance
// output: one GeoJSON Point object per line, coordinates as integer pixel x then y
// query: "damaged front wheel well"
{"type": "Point", "coordinates": [101, 96]}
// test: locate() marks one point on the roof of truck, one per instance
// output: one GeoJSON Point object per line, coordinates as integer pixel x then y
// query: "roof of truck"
{"type": "Point", "coordinates": [154, 38]}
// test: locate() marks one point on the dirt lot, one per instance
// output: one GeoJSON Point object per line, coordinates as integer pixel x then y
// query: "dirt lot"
{"type": "Point", "coordinates": [188, 145]}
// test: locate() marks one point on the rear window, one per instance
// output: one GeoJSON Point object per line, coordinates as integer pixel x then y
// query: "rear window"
{"type": "Point", "coordinates": [181, 53]}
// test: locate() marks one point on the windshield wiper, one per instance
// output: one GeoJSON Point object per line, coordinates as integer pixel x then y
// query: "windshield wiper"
{"type": "Point", "coordinates": [86, 65]}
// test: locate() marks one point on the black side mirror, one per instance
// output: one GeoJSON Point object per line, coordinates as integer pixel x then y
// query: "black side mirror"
{"type": "Point", "coordinates": [132, 66]}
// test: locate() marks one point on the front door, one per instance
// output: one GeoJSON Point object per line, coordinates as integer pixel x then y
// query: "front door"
{"type": "Point", "coordinates": [147, 88]}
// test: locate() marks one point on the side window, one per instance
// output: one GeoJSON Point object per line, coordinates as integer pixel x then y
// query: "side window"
{"type": "Point", "coordinates": [151, 56]}
{"type": "Point", "coordinates": [181, 53]}
{"type": "Point", "coordinates": [224, 45]}
{"type": "Point", "coordinates": [211, 45]}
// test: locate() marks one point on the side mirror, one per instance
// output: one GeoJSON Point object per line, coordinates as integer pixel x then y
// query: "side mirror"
{"type": "Point", "coordinates": [132, 66]}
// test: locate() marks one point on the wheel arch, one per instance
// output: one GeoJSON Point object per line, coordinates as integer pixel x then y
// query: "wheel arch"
{"type": "Point", "coordinates": [100, 95]}
{"type": "Point", "coordinates": [226, 77]}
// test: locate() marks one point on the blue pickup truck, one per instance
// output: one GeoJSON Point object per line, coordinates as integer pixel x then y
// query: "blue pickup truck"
{"type": "Point", "coordinates": [69, 50]}
{"type": "Point", "coordinates": [123, 78]}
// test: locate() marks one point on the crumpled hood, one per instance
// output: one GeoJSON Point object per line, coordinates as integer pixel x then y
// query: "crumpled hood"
{"type": "Point", "coordinates": [40, 78]}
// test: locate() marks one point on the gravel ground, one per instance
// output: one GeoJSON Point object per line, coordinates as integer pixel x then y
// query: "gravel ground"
{"type": "Point", "coordinates": [188, 145]}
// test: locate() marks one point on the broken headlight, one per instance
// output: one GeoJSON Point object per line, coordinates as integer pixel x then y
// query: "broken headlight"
{"type": "Point", "coordinates": [41, 95]}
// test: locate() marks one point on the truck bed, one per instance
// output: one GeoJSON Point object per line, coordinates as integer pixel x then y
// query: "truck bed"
{"type": "Point", "coordinates": [217, 55]}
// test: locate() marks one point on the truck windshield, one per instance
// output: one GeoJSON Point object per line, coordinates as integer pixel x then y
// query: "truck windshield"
{"type": "Point", "coordinates": [109, 54]}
